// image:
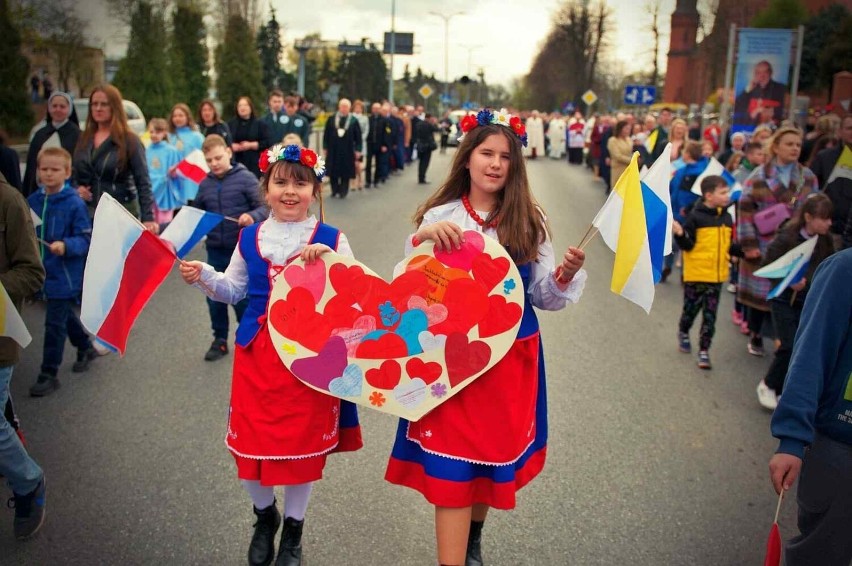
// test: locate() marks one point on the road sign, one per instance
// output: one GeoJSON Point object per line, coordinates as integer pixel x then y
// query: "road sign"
{"type": "Point", "coordinates": [403, 43]}
{"type": "Point", "coordinates": [426, 91]}
{"type": "Point", "coordinates": [589, 97]}
{"type": "Point", "coordinates": [640, 94]}
{"type": "Point", "coordinates": [568, 107]}
{"type": "Point", "coordinates": [446, 99]}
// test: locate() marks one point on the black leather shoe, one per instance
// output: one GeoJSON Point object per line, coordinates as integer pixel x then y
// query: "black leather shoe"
{"type": "Point", "coordinates": [262, 547]}
{"type": "Point", "coordinates": [474, 545]}
{"type": "Point", "coordinates": [290, 549]}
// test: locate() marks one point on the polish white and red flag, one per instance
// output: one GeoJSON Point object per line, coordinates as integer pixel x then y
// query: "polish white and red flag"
{"type": "Point", "coordinates": [194, 166]}
{"type": "Point", "coordinates": [126, 265]}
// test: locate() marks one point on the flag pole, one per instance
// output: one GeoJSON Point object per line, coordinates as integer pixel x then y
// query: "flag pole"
{"type": "Point", "coordinates": [778, 508]}
{"type": "Point", "coordinates": [590, 235]}
{"type": "Point", "coordinates": [232, 219]}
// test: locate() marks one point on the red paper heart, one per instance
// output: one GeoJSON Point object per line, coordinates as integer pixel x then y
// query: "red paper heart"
{"type": "Point", "coordinates": [501, 316]}
{"type": "Point", "coordinates": [489, 271]}
{"type": "Point", "coordinates": [296, 318]}
{"type": "Point", "coordinates": [388, 345]}
{"type": "Point", "coordinates": [427, 371]}
{"type": "Point", "coordinates": [466, 302]}
{"type": "Point", "coordinates": [465, 358]}
{"type": "Point", "coordinates": [385, 376]}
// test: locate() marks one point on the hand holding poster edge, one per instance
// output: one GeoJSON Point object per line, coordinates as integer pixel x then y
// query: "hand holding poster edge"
{"type": "Point", "coordinates": [401, 347]}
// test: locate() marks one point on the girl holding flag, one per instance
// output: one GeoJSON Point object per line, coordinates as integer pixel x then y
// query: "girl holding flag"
{"type": "Point", "coordinates": [813, 219]}
{"type": "Point", "coordinates": [184, 135]}
{"type": "Point", "coordinates": [163, 158]}
{"type": "Point", "coordinates": [480, 447]}
{"type": "Point", "coordinates": [279, 430]}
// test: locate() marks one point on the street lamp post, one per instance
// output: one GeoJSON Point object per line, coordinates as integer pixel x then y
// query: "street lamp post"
{"type": "Point", "coordinates": [446, 18]}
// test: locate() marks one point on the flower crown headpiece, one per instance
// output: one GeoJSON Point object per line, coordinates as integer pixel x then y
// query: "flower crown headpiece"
{"type": "Point", "coordinates": [502, 118]}
{"type": "Point", "coordinates": [293, 154]}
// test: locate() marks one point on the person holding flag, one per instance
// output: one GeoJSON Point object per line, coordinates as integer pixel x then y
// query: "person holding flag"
{"type": "Point", "coordinates": [705, 238]}
{"type": "Point", "coordinates": [162, 158]}
{"type": "Point", "coordinates": [833, 170]}
{"type": "Point", "coordinates": [813, 423]}
{"type": "Point", "coordinates": [21, 275]}
{"type": "Point", "coordinates": [231, 191]}
{"type": "Point", "coordinates": [786, 300]}
{"type": "Point", "coordinates": [184, 135]}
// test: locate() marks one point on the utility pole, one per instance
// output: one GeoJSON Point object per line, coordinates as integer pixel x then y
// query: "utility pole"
{"type": "Point", "coordinates": [446, 18]}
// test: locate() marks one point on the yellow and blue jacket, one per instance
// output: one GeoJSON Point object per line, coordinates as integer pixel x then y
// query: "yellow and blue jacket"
{"type": "Point", "coordinates": [707, 244]}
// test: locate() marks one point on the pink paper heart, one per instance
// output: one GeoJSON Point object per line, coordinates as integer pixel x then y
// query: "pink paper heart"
{"type": "Point", "coordinates": [311, 277]}
{"type": "Point", "coordinates": [473, 245]}
{"type": "Point", "coordinates": [327, 365]}
{"type": "Point", "coordinates": [435, 314]}
{"type": "Point", "coordinates": [352, 336]}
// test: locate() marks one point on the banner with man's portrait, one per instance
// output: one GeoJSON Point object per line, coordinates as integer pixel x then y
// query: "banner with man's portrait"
{"type": "Point", "coordinates": [761, 78]}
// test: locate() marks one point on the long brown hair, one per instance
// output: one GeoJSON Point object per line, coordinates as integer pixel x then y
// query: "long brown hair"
{"type": "Point", "coordinates": [120, 134]}
{"type": "Point", "coordinates": [522, 226]}
{"type": "Point", "coordinates": [190, 121]}
{"type": "Point", "coordinates": [818, 205]}
{"type": "Point", "coordinates": [289, 170]}
{"type": "Point", "coordinates": [208, 102]}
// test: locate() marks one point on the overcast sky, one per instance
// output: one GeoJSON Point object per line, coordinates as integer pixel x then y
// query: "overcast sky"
{"type": "Point", "coordinates": [501, 36]}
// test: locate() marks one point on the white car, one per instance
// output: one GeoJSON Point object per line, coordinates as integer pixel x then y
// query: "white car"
{"type": "Point", "coordinates": [135, 118]}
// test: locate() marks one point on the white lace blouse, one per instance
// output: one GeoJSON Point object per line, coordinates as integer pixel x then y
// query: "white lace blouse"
{"type": "Point", "coordinates": [278, 242]}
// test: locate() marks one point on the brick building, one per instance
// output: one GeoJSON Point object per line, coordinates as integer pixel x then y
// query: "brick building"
{"type": "Point", "coordinates": [696, 70]}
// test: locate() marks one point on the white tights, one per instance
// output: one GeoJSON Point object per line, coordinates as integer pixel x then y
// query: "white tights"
{"type": "Point", "coordinates": [296, 497]}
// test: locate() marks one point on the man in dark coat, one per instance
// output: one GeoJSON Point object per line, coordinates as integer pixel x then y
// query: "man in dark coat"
{"type": "Point", "coordinates": [378, 142]}
{"type": "Point", "coordinates": [424, 140]}
{"type": "Point", "coordinates": [839, 188]}
{"type": "Point", "coordinates": [341, 146]}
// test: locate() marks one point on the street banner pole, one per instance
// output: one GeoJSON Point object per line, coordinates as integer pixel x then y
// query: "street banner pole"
{"type": "Point", "coordinates": [794, 90]}
{"type": "Point", "coordinates": [727, 93]}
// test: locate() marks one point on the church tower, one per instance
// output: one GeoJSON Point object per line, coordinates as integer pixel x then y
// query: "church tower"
{"type": "Point", "coordinates": [685, 21]}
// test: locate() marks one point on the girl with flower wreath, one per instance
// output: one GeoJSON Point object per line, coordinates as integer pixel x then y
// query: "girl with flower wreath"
{"type": "Point", "coordinates": [480, 447]}
{"type": "Point", "coordinates": [280, 431]}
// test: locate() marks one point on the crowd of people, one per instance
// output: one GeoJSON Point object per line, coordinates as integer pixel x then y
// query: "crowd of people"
{"type": "Point", "coordinates": [718, 244]}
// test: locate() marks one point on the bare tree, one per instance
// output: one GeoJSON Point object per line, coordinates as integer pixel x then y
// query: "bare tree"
{"type": "Point", "coordinates": [654, 7]}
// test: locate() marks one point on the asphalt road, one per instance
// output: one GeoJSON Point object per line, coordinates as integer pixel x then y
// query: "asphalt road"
{"type": "Point", "coordinates": [651, 460]}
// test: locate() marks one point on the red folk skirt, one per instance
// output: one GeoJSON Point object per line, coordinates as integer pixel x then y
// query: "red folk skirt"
{"type": "Point", "coordinates": [279, 429]}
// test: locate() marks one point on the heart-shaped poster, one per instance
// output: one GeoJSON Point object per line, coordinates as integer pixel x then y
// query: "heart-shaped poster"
{"type": "Point", "coordinates": [402, 347]}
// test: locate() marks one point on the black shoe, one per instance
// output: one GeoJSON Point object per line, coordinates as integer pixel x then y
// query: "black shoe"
{"type": "Point", "coordinates": [665, 274]}
{"type": "Point", "coordinates": [45, 385]}
{"type": "Point", "coordinates": [29, 512]}
{"type": "Point", "coordinates": [217, 350]}
{"type": "Point", "coordinates": [474, 544]}
{"type": "Point", "coordinates": [262, 547]}
{"type": "Point", "coordinates": [290, 549]}
{"type": "Point", "coordinates": [423, 182]}
{"type": "Point", "coordinates": [83, 359]}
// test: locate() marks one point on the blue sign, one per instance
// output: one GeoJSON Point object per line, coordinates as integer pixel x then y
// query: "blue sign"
{"type": "Point", "coordinates": [446, 99]}
{"type": "Point", "coordinates": [639, 95]}
{"type": "Point", "coordinates": [568, 108]}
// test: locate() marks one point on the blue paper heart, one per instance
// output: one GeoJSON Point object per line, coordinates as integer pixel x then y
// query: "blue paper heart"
{"type": "Point", "coordinates": [349, 384]}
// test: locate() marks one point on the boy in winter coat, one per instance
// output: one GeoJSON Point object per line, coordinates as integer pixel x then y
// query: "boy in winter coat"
{"type": "Point", "coordinates": [64, 236]}
{"type": "Point", "coordinates": [705, 238]}
{"type": "Point", "coordinates": [232, 191]}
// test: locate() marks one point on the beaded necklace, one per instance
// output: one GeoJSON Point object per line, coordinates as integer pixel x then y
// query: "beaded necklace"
{"type": "Point", "coordinates": [477, 218]}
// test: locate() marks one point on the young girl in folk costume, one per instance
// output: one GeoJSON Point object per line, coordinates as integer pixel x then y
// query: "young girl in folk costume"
{"type": "Point", "coordinates": [279, 430]}
{"type": "Point", "coordinates": [184, 135]}
{"type": "Point", "coordinates": [484, 444]}
{"type": "Point", "coordinates": [162, 158]}
{"type": "Point", "coordinates": [812, 219]}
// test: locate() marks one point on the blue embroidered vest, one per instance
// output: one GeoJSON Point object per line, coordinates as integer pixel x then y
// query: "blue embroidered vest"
{"type": "Point", "coordinates": [259, 285]}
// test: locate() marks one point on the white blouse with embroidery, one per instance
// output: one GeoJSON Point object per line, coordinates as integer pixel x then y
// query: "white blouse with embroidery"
{"type": "Point", "coordinates": [543, 291]}
{"type": "Point", "coordinates": [278, 242]}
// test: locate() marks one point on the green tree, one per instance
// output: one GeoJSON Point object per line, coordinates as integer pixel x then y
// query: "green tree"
{"type": "Point", "coordinates": [363, 75]}
{"type": "Point", "coordinates": [269, 50]}
{"type": "Point", "coordinates": [781, 14]}
{"type": "Point", "coordinates": [141, 74]}
{"type": "Point", "coordinates": [15, 111]}
{"type": "Point", "coordinates": [239, 68]}
{"type": "Point", "coordinates": [819, 31]}
{"type": "Point", "coordinates": [189, 55]}
{"type": "Point", "coordinates": [837, 54]}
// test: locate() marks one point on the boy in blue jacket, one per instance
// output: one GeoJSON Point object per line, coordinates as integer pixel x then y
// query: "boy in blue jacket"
{"type": "Point", "coordinates": [64, 236]}
{"type": "Point", "coordinates": [232, 191]}
{"type": "Point", "coordinates": [813, 421]}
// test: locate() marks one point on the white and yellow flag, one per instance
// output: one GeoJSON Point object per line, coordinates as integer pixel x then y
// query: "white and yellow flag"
{"type": "Point", "coordinates": [11, 324]}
